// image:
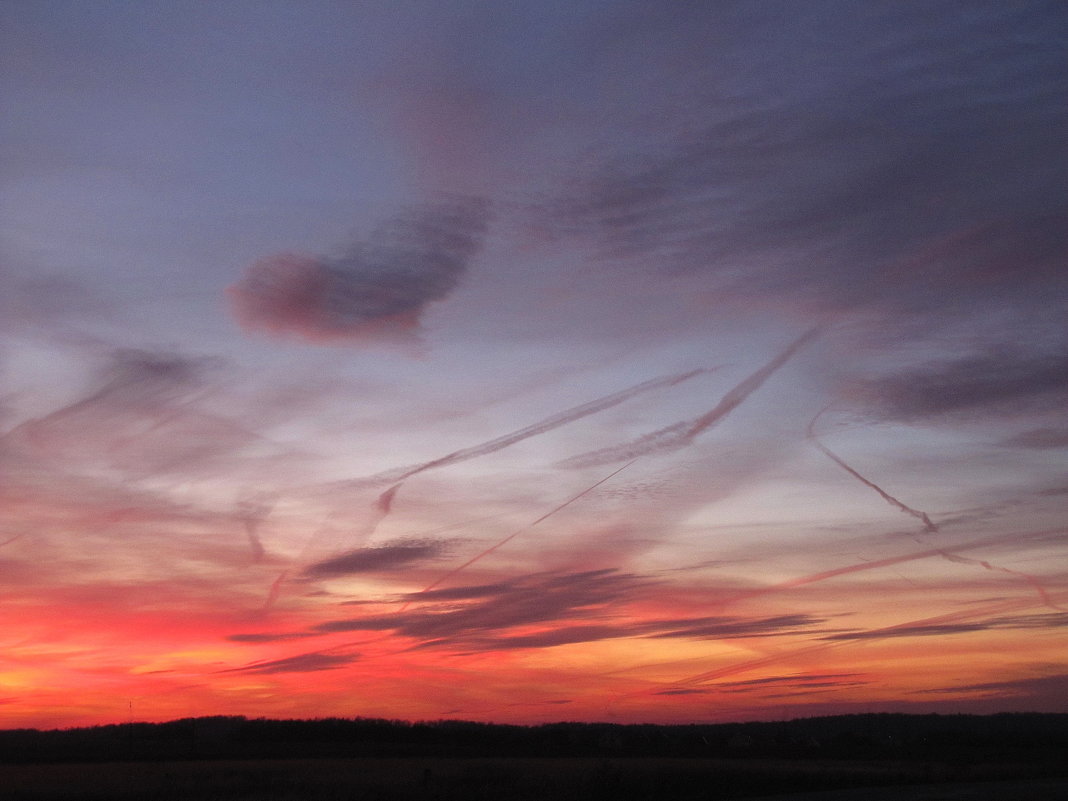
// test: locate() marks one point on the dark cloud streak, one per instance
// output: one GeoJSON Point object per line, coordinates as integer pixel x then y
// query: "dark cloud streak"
{"type": "Point", "coordinates": [500, 543]}
{"type": "Point", "coordinates": [999, 380]}
{"type": "Point", "coordinates": [890, 499]}
{"type": "Point", "coordinates": [392, 556]}
{"type": "Point", "coordinates": [376, 290]}
{"type": "Point", "coordinates": [301, 663]}
{"type": "Point", "coordinates": [577, 608]}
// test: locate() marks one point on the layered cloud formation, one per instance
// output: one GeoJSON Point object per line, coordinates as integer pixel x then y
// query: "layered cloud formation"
{"type": "Point", "coordinates": [741, 384]}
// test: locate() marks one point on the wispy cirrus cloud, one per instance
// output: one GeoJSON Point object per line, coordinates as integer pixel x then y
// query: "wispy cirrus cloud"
{"type": "Point", "coordinates": [661, 198]}
{"type": "Point", "coordinates": [788, 186]}
{"type": "Point", "coordinates": [143, 415]}
{"type": "Point", "coordinates": [1038, 439]}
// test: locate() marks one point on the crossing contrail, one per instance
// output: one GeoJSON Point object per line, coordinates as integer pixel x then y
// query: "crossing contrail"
{"type": "Point", "coordinates": [1034, 582]}
{"type": "Point", "coordinates": [824, 575]}
{"type": "Point", "coordinates": [544, 426]}
{"type": "Point", "coordinates": [680, 434]}
{"type": "Point", "coordinates": [516, 533]}
{"type": "Point", "coordinates": [385, 500]}
{"type": "Point", "coordinates": [929, 526]}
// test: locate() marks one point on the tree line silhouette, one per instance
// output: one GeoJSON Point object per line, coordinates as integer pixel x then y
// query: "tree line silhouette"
{"type": "Point", "coordinates": [1024, 738]}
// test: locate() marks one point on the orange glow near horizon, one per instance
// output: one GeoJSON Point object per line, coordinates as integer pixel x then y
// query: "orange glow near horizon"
{"type": "Point", "coordinates": [601, 644]}
{"type": "Point", "coordinates": [525, 362]}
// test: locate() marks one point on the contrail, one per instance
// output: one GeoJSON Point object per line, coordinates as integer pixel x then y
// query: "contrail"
{"type": "Point", "coordinates": [1035, 583]}
{"type": "Point", "coordinates": [383, 506]}
{"type": "Point", "coordinates": [385, 500]}
{"type": "Point", "coordinates": [953, 617]}
{"type": "Point", "coordinates": [253, 539]}
{"type": "Point", "coordinates": [253, 513]}
{"type": "Point", "coordinates": [381, 510]}
{"type": "Point", "coordinates": [681, 434]}
{"type": "Point", "coordinates": [516, 533]}
{"type": "Point", "coordinates": [815, 578]}
{"type": "Point", "coordinates": [276, 588]}
{"type": "Point", "coordinates": [738, 394]}
{"type": "Point", "coordinates": [889, 561]}
{"type": "Point", "coordinates": [542, 427]}
{"type": "Point", "coordinates": [929, 526]}
{"type": "Point", "coordinates": [397, 476]}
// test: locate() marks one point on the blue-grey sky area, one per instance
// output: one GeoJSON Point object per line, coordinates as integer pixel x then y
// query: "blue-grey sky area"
{"type": "Point", "coordinates": [485, 356]}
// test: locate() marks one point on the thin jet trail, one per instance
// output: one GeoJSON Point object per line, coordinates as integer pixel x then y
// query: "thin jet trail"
{"type": "Point", "coordinates": [252, 513]}
{"type": "Point", "coordinates": [276, 586]}
{"type": "Point", "coordinates": [275, 590]}
{"type": "Point", "coordinates": [515, 534]}
{"type": "Point", "coordinates": [733, 399]}
{"type": "Point", "coordinates": [399, 476]}
{"type": "Point", "coordinates": [824, 575]}
{"type": "Point", "coordinates": [1034, 582]}
{"type": "Point", "coordinates": [382, 507]}
{"type": "Point", "coordinates": [890, 561]}
{"type": "Point", "coordinates": [683, 433]}
{"type": "Point", "coordinates": [889, 631]}
{"type": "Point", "coordinates": [556, 421]}
{"type": "Point", "coordinates": [541, 427]}
{"type": "Point", "coordinates": [380, 511]}
{"type": "Point", "coordinates": [730, 401]}
{"type": "Point", "coordinates": [928, 525]}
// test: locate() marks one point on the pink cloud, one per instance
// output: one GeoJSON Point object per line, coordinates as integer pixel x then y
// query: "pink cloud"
{"type": "Point", "coordinates": [375, 291]}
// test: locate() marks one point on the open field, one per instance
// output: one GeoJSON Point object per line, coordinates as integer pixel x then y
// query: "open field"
{"type": "Point", "coordinates": [372, 779]}
{"type": "Point", "coordinates": [1031, 790]}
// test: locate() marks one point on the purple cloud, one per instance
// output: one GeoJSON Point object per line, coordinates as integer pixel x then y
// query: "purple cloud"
{"type": "Point", "coordinates": [301, 663]}
{"type": "Point", "coordinates": [376, 290]}
{"type": "Point", "coordinates": [1039, 439]}
{"type": "Point", "coordinates": [576, 606]}
{"type": "Point", "coordinates": [997, 380]}
{"type": "Point", "coordinates": [390, 556]}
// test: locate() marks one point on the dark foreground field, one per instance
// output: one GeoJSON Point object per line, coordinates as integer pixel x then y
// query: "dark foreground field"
{"type": "Point", "coordinates": [504, 779]}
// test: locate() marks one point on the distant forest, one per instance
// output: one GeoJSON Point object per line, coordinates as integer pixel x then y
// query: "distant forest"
{"type": "Point", "coordinates": [1031, 739]}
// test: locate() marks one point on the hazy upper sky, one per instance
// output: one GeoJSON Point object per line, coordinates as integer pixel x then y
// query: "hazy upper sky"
{"type": "Point", "coordinates": [531, 361]}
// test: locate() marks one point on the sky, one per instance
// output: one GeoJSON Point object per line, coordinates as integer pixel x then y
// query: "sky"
{"type": "Point", "coordinates": [520, 362]}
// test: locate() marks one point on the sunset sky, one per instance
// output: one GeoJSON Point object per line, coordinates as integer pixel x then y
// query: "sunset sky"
{"type": "Point", "coordinates": [532, 361]}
